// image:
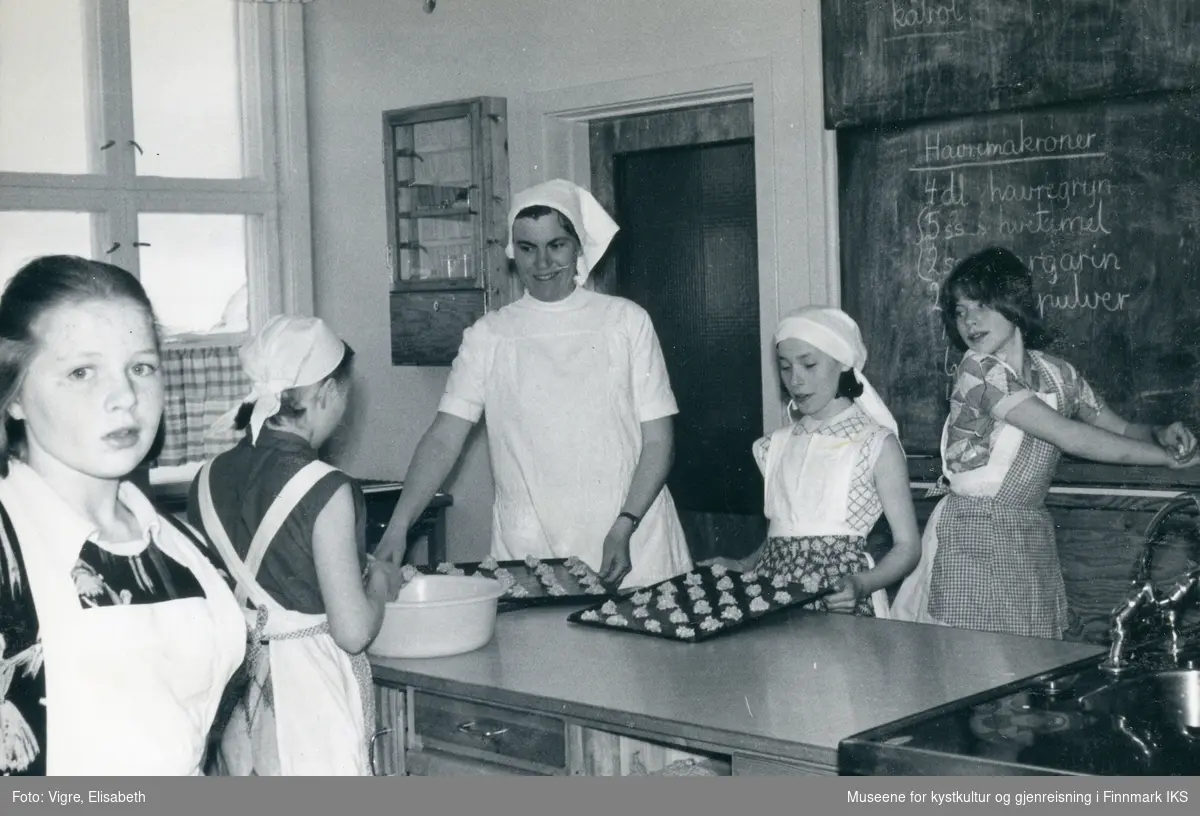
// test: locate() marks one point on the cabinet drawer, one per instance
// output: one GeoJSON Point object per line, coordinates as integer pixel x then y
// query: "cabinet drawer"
{"type": "Point", "coordinates": [485, 731]}
{"type": "Point", "coordinates": [427, 327]}
{"type": "Point", "coordinates": [760, 766]}
{"type": "Point", "coordinates": [440, 763]}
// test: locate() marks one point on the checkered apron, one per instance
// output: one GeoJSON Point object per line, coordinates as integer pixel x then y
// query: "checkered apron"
{"type": "Point", "coordinates": [996, 567]}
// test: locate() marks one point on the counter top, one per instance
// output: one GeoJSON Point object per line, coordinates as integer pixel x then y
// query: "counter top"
{"type": "Point", "coordinates": [791, 686]}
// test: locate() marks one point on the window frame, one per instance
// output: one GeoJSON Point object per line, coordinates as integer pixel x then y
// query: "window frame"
{"type": "Point", "coordinates": [274, 194]}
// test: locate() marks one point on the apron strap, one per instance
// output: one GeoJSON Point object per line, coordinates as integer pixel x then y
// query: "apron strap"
{"type": "Point", "coordinates": [287, 500]}
{"type": "Point", "coordinates": [245, 572]}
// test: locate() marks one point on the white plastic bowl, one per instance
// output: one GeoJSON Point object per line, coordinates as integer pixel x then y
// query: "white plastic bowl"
{"type": "Point", "coordinates": [439, 615]}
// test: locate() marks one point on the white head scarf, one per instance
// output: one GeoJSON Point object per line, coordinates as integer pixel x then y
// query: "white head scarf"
{"type": "Point", "coordinates": [289, 352]}
{"type": "Point", "coordinates": [835, 333]}
{"type": "Point", "coordinates": [592, 223]}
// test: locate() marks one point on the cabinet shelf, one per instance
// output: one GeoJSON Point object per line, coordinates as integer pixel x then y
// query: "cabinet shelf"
{"type": "Point", "coordinates": [438, 212]}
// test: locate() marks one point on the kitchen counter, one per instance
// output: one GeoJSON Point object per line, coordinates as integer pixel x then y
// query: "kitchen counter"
{"type": "Point", "coordinates": [788, 688]}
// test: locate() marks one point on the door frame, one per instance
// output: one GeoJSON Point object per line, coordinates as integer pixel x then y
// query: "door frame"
{"type": "Point", "coordinates": [549, 138]}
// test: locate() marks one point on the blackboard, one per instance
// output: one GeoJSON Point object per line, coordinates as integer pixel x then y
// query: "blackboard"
{"type": "Point", "coordinates": [1102, 201]}
{"type": "Point", "coordinates": [893, 60]}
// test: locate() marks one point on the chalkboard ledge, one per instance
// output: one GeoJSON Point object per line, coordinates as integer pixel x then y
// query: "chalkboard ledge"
{"type": "Point", "coordinates": [1080, 473]}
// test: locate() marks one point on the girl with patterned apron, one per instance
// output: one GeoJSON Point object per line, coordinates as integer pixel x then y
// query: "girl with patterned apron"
{"type": "Point", "coordinates": [822, 474]}
{"type": "Point", "coordinates": [309, 707]}
{"type": "Point", "coordinates": [118, 635]}
{"type": "Point", "coordinates": [989, 558]}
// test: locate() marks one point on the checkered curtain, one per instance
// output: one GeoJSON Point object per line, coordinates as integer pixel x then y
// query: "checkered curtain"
{"type": "Point", "coordinates": [201, 384]}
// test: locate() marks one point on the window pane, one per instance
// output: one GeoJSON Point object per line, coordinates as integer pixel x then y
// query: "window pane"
{"type": "Point", "coordinates": [44, 82]}
{"type": "Point", "coordinates": [187, 88]}
{"type": "Point", "coordinates": [194, 270]}
{"type": "Point", "coordinates": [26, 235]}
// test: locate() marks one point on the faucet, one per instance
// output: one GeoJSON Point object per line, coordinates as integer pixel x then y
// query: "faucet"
{"type": "Point", "coordinates": [1143, 597]}
{"type": "Point", "coordinates": [1124, 616]}
{"type": "Point", "coordinates": [1173, 600]}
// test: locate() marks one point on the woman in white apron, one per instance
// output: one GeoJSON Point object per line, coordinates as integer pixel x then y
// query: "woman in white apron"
{"type": "Point", "coordinates": [117, 634]}
{"type": "Point", "coordinates": [989, 559]}
{"type": "Point", "coordinates": [578, 403]}
{"type": "Point", "coordinates": [290, 530]}
{"type": "Point", "coordinates": [830, 474]}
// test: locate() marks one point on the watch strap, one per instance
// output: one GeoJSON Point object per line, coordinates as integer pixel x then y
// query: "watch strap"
{"type": "Point", "coordinates": [635, 520]}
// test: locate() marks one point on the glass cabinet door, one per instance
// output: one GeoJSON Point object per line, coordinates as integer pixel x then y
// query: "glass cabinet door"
{"type": "Point", "coordinates": [435, 191]}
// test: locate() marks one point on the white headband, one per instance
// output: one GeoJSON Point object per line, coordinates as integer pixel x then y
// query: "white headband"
{"type": "Point", "coordinates": [289, 352]}
{"type": "Point", "coordinates": [592, 223]}
{"type": "Point", "coordinates": [835, 333]}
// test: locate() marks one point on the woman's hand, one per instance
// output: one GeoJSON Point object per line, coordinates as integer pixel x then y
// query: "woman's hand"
{"type": "Point", "coordinates": [850, 590]}
{"type": "Point", "coordinates": [616, 563]}
{"type": "Point", "coordinates": [392, 548]}
{"type": "Point", "coordinates": [1177, 439]}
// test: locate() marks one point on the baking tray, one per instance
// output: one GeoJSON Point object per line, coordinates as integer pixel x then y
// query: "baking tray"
{"type": "Point", "coordinates": [693, 607]}
{"type": "Point", "coordinates": [571, 574]}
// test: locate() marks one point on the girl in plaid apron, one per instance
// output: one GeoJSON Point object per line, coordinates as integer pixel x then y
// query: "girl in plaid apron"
{"type": "Point", "coordinates": [835, 470]}
{"type": "Point", "coordinates": [989, 559]}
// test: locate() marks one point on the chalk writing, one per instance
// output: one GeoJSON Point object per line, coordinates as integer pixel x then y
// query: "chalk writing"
{"type": "Point", "coordinates": [1049, 264]}
{"type": "Point", "coordinates": [910, 14]}
{"type": "Point", "coordinates": [1074, 299]}
{"type": "Point", "coordinates": [1075, 145]}
{"type": "Point", "coordinates": [1043, 221]}
{"type": "Point", "coordinates": [968, 198]}
{"type": "Point", "coordinates": [1061, 192]}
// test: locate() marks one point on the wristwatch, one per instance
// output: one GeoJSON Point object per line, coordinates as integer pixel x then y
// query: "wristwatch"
{"type": "Point", "coordinates": [634, 520]}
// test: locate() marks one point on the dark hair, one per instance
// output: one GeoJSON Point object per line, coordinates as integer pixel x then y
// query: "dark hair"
{"type": "Point", "coordinates": [997, 279]}
{"type": "Point", "coordinates": [541, 211]}
{"type": "Point", "coordinates": [290, 406]}
{"type": "Point", "coordinates": [43, 284]}
{"type": "Point", "coordinates": [848, 386]}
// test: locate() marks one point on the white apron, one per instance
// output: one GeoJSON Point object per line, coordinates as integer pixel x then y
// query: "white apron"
{"type": "Point", "coordinates": [912, 599]}
{"type": "Point", "coordinates": [317, 723]}
{"type": "Point", "coordinates": [584, 435]}
{"type": "Point", "coordinates": [806, 483]}
{"type": "Point", "coordinates": [131, 689]}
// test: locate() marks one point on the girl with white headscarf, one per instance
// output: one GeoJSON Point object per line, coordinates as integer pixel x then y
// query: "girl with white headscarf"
{"type": "Point", "coordinates": [832, 472]}
{"type": "Point", "coordinates": [579, 408]}
{"type": "Point", "coordinates": [291, 532]}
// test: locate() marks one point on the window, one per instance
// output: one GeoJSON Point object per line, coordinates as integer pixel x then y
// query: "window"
{"type": "Point", "coordinates": [164, 136]}
{"type": "Point", "coordinates": [160, 135]}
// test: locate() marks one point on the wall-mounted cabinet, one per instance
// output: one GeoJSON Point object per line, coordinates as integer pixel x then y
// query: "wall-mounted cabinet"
{"type": "Point", "coordinates": [446, 171]}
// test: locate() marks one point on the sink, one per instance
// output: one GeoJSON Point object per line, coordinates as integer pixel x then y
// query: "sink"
{"type": "Point", "coordinates": [1169, 699]}
{"type": "Point", "coordinates": [1077, 720]}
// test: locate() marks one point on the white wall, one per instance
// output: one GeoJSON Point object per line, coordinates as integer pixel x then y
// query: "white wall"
{"type": "Point", "coordinates": [367, 56]}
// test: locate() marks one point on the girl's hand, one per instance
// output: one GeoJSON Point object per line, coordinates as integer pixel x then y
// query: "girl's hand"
{"type": "Point", "coordinates": [1175, 462]}
{"type": "Point", "coordinates": [849, 591]}
{"type": "Point", "coordinates": [616, 563]}
{"type": "Point", "coordinates": [1177, 439]}
{"type": "Point", "coordinates": [383, 579]}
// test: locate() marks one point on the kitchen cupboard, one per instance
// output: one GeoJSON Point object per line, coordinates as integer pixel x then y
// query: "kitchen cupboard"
{"type": "Point", "coordinates": [447, 193]}
{"type": "Point", "coordinates": [422, 733]}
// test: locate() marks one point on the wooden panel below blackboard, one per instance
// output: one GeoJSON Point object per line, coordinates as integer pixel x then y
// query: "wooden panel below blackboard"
{"type": "Point", "coordinates": [893, 60]}
{"type": "Point", "coordinates": [1102, 201]}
